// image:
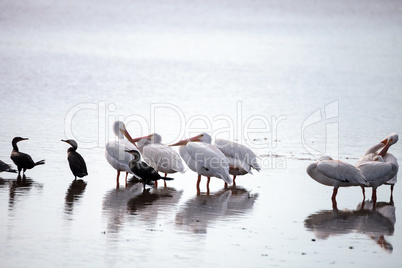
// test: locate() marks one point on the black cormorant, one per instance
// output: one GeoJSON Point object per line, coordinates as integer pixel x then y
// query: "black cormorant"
{"type": "Point", "coordinates": [22, 160]}
{"type": "Point", "coordinates": [77, 163]}
{"type": "Point", "coordinates": [5, 167]}
{"type": "Point", "coordinates": [141, 170]}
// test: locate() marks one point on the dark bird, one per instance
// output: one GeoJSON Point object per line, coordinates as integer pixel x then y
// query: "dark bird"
{"type": "Point", "coordinates": [23, 161]}
{"type": "Point", "coordinates": [5, 167]}
{"type": "Point", "coordinates": [77, 163]}
{"type": "Point", "coordinates": [142, 171]}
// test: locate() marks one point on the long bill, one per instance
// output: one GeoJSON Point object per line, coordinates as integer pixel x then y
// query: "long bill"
{"type": "Point", "coordinates": [129, 138]}
{"type": "Point", "coordinates": [185, 141]}
{"type": "Point", "coordinates": [385, 149]}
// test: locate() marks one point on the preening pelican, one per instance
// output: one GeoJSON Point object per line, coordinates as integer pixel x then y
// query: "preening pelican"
{"type": "Point", "coordinates": [75, 160]}
{"type": "Point", "coordinates": [241, 158]}
{"type": "Point", "coordinates": [23, 161]}
{"type": "Point", "coordinates": [142, 171]}
{"type": "Point", "coordinates": [388, 158]}
{"type": "Point", "coordinates": [375, 170]}
{"type": "Point", "coordinates": [335, 173]}
{"type": "Point", "coordinates": [159, 156]}
{"type": "Point", "coordinates": [5, 167]}
{"type": "Point", "coordinates": [115, 151]}
{"type": "Point", "coordinates": [204, 158]}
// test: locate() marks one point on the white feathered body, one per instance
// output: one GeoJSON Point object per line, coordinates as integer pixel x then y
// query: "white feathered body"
{"type": "Point", "coordinates": [162, 158]}
{"type": "Point", "coordinates": [241, 158]}
{"type": "Point", "coordinates": [336, 173]}
{"type": "Point", "coordinates": [206, 160]}
{"type": "Point", "coordinates": [117, 157]}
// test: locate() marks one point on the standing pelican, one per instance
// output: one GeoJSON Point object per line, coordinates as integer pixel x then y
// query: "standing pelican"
{"type": "Point", "coordinates": [5, 167]}
{"type": "Point", "coordinates": [204, 158]}
{"type": "Point", "coordinates": [142, 171]}
{"type": "Point", "coordinates": [159, 156]}
{"type": "Point", "coordinates": [115, 151]}
{"type": "Point", "coordinates": [23, 161]}
{"type": "Point", "coordinates": [388, 158]}
{"type": "Point", "coordinates": [241, 158]}
{"type": "Point", "coordinates": [335, 173]}
{"type": "Point", "coordinates": [75, 160]}
{"type": "Point", "coordinates": [376, 170]}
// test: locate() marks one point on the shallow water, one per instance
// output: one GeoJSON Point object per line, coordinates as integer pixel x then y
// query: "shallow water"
{"type": "Point", "coordinates": [292, 80]}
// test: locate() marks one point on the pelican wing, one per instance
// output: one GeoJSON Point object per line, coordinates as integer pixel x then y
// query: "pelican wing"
{"type": "Point", "coordinates": [210, 158]}
{"type": "Point", "coordinates": [238, 151]}
{"type": "Point", "coordinates": [379, 172]}
{"type": "Point", "coordinates": [389, 158]}
{"type": "Point", "coordinates": [161, 155]}
{"type": "Point", "coordinates": [117, 157]}
{"type": "Point", "coordinates": [340, 171]}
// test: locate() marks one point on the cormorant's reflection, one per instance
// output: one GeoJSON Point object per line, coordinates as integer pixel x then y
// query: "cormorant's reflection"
{"type": "Point", "coordinates": [74, 192]}
{"type": "Point", "coordinates": [145, 205]}
{"type": "Point", "coordinates": [20, 187]}
{"type": "Point", "coordinates": [200, 211]}
{"type": "Point", "coordinates": [376, 221]}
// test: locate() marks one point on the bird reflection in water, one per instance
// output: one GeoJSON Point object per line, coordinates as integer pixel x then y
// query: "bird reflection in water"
{"type": "Point", "coordinates": [376, 221]}
{"type": "Point", "coordinates": [151, 202]}
{"type": "Point", "coordinates": [202, 210]}
{"type": "Point", "coordinates": [20, 187]}
{"type": "Point", "coordinates": [133, 202]}
{"type": "Point", "coordinates": [74, 193]}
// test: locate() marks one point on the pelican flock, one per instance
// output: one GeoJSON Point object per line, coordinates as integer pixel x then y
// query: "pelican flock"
{"type": "Point", "coordinates": [372, 170]}
{"type": "Point", "coordinates": [219, 159]}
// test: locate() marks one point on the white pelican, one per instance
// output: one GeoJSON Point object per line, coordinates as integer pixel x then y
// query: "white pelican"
{"type": "Point", "coordinates": [388, 158]}
{"type": "Point", "coordinates": [156, 154]}
{"type": "Point", "coordinates": [241, 158]}
{"type": "Point", "coordinates": [376, 171]}
{"type": "Point", "coordinates": [115, 152]}
{"type": "Point", "coordinates": [204, 158]}
{"type": "Point", "coordinates": [335, 173]}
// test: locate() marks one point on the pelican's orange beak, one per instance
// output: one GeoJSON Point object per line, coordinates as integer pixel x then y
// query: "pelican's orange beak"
{"type": "Point", "coordinates": [127, 135]}
{"type": "Point", "coordinates": [386, 147]}
{"type": "Point", "coordinates": [185, 141]}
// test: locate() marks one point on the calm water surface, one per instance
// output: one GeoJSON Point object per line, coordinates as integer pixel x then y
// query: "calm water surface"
{"type": "Point", "coordinates": [290, 79]}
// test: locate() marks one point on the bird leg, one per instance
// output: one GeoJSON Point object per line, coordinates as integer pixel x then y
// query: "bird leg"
{"type": "Point", "coordinates": [391, 199]}
{"type": "Point", "coordinates": [117, 179]}
{"type": "Point", "coordinates": [164, 181]}
{"type": "Point", "coordinates": [334, 205]}
{"type": "Point", "coordinates": [234, 182]}
{"type": "Point", "coordinates": [209, 179]}
{"type": "Point", "coordinates": [198, 185]}
{"type": "Point", "coordinates": [364, 193]}
{"type": "Point", "coordinates": [374, 197]}
{"type": "Point", "coordinates": [334, 194]}
{"type": "Point", "coordinates": [126, 179]}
